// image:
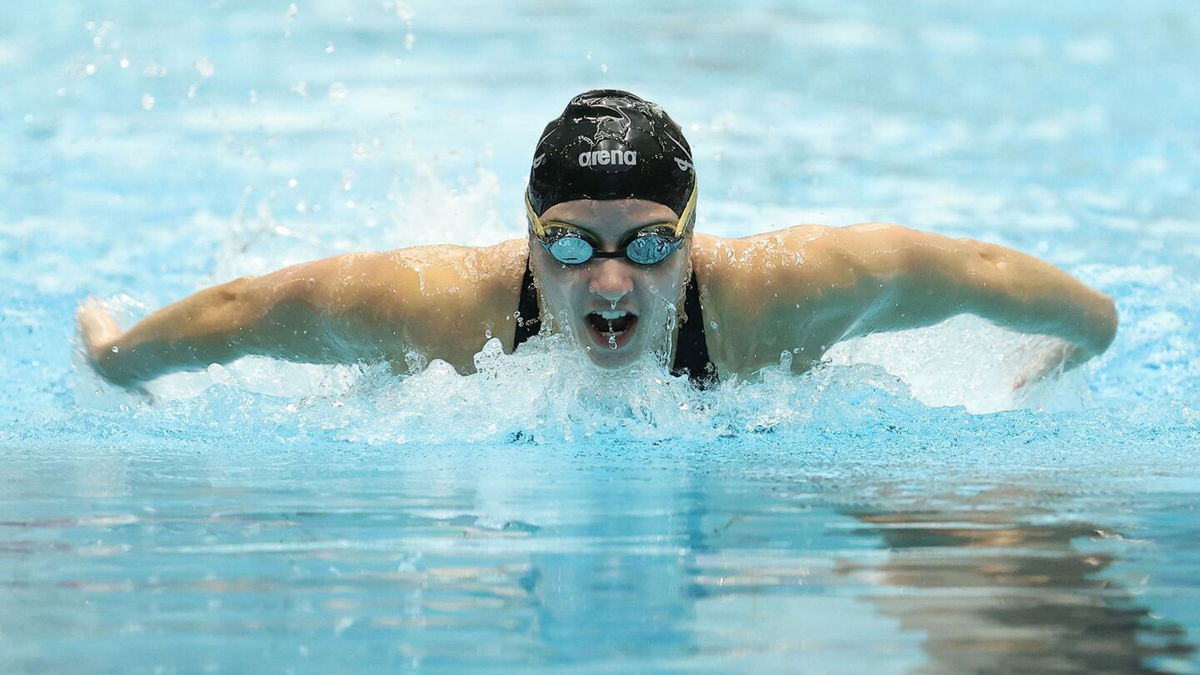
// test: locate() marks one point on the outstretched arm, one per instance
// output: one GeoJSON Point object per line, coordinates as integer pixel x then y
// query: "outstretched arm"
{"type": "Point", "coordinates": [294, 313]}
{"type": "Point", "coordinates": [813, 286]}
{"type": "Point", "coordinates": [358, 307]}
{"type": "Point", "coordinates": [928, 277]}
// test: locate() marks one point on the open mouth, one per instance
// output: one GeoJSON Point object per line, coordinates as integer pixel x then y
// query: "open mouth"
{"type": "Point", "coordinates": [611, 328]}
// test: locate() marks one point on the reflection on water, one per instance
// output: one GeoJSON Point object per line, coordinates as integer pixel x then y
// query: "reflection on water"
{"type": "Point", "coordinates": [994, 591]}
{"type": "Point", "coordinates": [743, 555]}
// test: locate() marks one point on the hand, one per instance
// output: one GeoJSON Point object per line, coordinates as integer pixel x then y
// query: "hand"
{"type": "Point", "coordinates": [100, 333]}
{"type": "Point", "coordinates": [97, 328]}
{"type": "Point", "coordinates": [1053, 361]}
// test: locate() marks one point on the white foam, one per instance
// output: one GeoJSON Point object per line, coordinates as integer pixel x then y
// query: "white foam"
{"type": "Point", "coordinates": [964, 361]}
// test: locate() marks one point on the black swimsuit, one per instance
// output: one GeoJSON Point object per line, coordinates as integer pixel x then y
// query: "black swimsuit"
{"type": "Point", "coordinates": [691, 350]}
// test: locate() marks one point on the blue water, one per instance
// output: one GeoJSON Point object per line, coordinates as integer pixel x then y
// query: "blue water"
{"type": "Point", "coordinates": [899, 509]}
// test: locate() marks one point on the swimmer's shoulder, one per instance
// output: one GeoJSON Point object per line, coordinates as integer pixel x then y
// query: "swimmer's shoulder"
{"type": "Point", "coordinates": [474, 290]}
{"type": "Point", "coordinates": [440, 272]}
{"type": "Point", "coordinates": [803, 251]}
{"type": "Point", "coordinates": [736, 261]}
{"type": "Point", "coordinates": [775, 290]}
{"type": "Point", "coordinates": [442, 300]}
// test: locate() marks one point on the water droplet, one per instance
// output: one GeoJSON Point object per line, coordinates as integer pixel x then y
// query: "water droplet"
{"type": "Point", "coordinates": [329, 48]}
{"type": "Point", "coordinates": [337, 91]}
{"type": "Point", "coordinates": [115, 349]}
{"type": "Point", "coordinates": [90, 69]}
{"type": "Point", "coordinates": [147, 102]}
{"type": "Point", "coordinates": [292, 11]}
{"type": "Point", "coordinates": [205, 68]}
{"type": "Point", "coordinates": [292, 182]}
{"type": "Point", "coordinates": [604, 67]}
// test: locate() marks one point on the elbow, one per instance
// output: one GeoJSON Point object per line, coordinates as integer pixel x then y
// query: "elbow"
{"type": "Point", "coordinates": [1096, 326]}
{"type": "Point", "coordinates": [1107, 322]}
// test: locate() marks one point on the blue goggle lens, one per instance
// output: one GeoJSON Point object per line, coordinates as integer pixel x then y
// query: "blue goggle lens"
{"type": "Point", "coordinates": [571, 250]}
{"type": "Point", "coordinates": [649, 249]}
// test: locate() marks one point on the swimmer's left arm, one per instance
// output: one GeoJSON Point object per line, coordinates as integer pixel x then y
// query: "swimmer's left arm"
{"type": "Point", "coordinates": [923, 278]}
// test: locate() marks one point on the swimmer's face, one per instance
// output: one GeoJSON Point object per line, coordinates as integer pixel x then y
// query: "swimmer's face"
{"type": "Point", "coordinates": [615, 309]}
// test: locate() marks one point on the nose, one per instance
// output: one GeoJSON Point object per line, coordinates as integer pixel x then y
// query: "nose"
{"type": "Point", "coordinates": [611, 279]}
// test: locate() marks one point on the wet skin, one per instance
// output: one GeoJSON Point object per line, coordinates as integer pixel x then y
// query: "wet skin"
{"type": "Point", "coordinates": [573, 296]}
{"type": "Point", "coordinates": [800, 290]}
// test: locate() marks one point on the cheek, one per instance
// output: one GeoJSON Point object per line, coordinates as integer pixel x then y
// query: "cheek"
{"type": "Point", "coordinates": [559, 285]}
{"type": "Point", "coordinates": [667, 283]}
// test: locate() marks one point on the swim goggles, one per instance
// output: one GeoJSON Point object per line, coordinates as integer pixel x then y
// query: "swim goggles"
{"type": "Point", "coordinates": [648, 246]}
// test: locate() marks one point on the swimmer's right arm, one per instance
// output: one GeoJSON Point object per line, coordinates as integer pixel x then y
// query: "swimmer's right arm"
{"type": "Point", "coordinates": [304, 313]}
{"type": "Point", "coordinates": [443, 302]}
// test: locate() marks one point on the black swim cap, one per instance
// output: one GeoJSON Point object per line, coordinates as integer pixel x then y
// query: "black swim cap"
{"type": "Point", "coordinates": [610, 144]}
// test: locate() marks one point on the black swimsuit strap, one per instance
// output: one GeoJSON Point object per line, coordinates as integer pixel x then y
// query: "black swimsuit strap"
{"type": "Point", "coordinates": [529, 317]}
{"type": "Point", "coordinates": [691, 349]}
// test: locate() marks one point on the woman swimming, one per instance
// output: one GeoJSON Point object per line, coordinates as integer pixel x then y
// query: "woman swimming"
{"type": "Point", "coordinates": [612, 259]}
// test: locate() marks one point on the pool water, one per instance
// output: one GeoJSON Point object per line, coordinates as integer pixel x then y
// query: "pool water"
{"type": "Point", "coordinates": [898, 509]}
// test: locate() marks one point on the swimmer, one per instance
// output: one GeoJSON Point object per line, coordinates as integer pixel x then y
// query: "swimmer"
{"type": "Point", "coordinates": [612, 260]}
